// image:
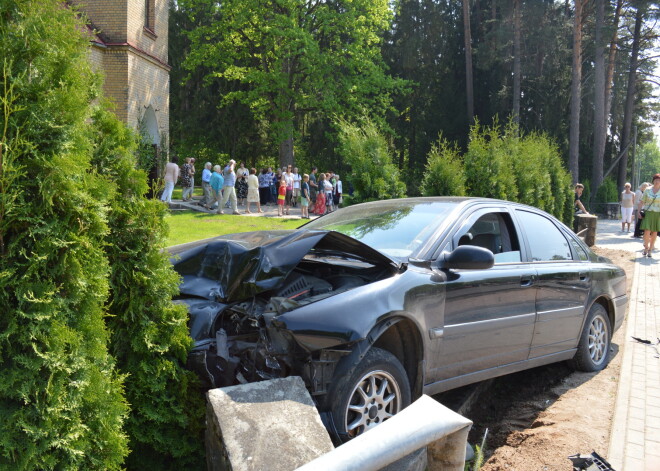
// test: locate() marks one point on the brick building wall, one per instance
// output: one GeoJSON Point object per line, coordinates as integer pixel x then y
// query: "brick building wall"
{"type": "Point", "coordinates": [130, 46]}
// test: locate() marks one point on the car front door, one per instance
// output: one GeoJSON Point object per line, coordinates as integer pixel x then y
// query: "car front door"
{"type": "Point", "coordinates": [489, 314]}
{"type": "Point", "coordinates": [563, 285]}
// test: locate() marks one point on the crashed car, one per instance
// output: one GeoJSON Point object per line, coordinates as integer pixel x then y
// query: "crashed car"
{"type": "Point", "coordinates": [377, 303]}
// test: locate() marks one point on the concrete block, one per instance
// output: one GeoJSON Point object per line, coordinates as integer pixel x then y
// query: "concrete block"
{"type": "Point", "coordinates": [270, 425]}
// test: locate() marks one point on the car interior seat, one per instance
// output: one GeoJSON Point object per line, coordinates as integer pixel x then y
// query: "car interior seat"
{"type": "Point", "coordinates": [487, 241]}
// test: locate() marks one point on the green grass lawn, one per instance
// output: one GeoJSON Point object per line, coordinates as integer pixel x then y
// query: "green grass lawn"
{"type": "Point", "coordinates": [188, 226]}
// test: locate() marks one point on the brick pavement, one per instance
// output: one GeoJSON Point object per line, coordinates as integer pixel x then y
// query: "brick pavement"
{"type": "Point", "coordinates": [635, 434]}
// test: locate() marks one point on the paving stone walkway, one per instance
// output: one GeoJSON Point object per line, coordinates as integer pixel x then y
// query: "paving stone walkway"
{"type": "Point", "coordinates": [635, 434]}
{"type": "Point", "coordinates": [268, 210]}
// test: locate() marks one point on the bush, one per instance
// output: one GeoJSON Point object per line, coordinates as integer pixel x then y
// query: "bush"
{"type": "Point", "coordinates": [607, 191]}
{"type": "Point", "coordinates": [150, 337]}
{"type": "Point", "coordinates": [444, 175]}
{"type": "Point", "coordinates": [488, 164]}
{"type": "Point", "coordinates": [561, 204]}
{"type": "Point", "coordinates": [366, 152]}
{"type": "Point", "coordinates": [504, 164]}
{"type": "Point", "coordinates": [61, 404]}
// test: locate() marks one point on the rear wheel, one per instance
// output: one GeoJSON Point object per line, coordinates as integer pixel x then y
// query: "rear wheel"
{"type": "Point", "coordinates": [375, 390]}
{"type": "Point", "coordinates": [594, 347]}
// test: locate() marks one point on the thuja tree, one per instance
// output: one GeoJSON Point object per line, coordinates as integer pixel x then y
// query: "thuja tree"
{"type": "Point", "coordinates": [367, 153]}
{"type": "Point", "coordinates": [149, 334]}
{"type": "Point", "coordinates": [61, 404]}
{"type": "Point", "coordinates": [488, 164]}
{"type": "Point", "coordinates": [444, 175]}
{"type": "Point", "coordinates": [502, 162]}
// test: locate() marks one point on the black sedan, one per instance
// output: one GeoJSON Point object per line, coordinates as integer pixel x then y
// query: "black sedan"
{"type": "Point", "coordinates": [377, 303]}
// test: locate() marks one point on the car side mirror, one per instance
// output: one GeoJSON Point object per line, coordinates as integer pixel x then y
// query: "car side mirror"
{"type": "Point", "coordinates": [467, 257]}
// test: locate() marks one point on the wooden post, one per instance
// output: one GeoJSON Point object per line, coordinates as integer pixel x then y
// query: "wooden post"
{"type": "Point", "coordinates": [588, 224]}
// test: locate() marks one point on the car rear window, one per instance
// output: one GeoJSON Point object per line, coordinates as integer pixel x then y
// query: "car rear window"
{"type": "Point", "coordinates": [546, 241]}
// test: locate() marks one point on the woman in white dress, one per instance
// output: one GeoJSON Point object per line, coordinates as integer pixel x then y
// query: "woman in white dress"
{"type": "Point", "coordinates": [253, 191]}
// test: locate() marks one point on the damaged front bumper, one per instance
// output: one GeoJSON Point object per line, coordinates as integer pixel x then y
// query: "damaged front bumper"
{"type": "Point", "coordinates": [267, 353]}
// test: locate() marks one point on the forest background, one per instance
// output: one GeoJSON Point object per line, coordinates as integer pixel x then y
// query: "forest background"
{"type": "Point", "coordinates": [271, 82]}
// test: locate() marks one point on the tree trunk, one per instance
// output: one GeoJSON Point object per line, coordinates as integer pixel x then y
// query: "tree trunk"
{"type": "Point", "coordinates": [468, 61]}
{"type": "Point", "coordinates": [576, 94]}
{"type": "Point", "coordinates": [286, 151]}
{"type": "Point", "coordinates": [516, 61]}
{"type": "Point", "coordinates": [609, 80]}
{"type": "Point", "coordinates": [630, 98]}
{"type": "Point", "coordinates": [477, 12]}
{"type": "Point", "coordinates": [599, 100]}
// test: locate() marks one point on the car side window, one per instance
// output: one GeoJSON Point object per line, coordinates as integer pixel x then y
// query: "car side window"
{"type": "Point", "coordinates": [495, 232]}
{"type": "Point", "coordinates": [546, 242]}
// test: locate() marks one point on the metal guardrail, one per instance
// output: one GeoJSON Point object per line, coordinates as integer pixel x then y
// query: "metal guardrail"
{"type": "Point", "coordinates": [423, 422]}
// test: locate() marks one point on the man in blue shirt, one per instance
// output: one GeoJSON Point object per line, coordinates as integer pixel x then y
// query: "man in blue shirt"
{"type": "Point", "coordinates": [206, 188]}
{"type": "Point", "coordinates": [216, 184]}
{"type": "Point", "coordinates": [273, 186]}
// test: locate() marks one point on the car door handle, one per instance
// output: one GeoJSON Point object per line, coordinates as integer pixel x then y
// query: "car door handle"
{"type": "Point", "coordinates": [583, 276]}
{"type": "Point", "coordinates": [527, 280]}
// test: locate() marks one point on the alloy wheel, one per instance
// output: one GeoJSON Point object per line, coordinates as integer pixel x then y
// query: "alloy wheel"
{"type": "Point", "coordinates": [598, 340]}
{"type": "Point", "coordinates": [375, 398]}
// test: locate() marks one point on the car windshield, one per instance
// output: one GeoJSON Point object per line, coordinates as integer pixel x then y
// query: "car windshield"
{"type": "Point", "coordinates": [396, 228]}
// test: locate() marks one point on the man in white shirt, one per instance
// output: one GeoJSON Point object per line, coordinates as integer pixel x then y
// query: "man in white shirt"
{"type": "Point", "coordinates": [296, 186]}
{"type": "Point", "coordinates": [288, 178]}
{"type": "Point", "coordinates": [228, 189]}
{"type": "Point", "coordinates": [338, 191]}
{"type": "Point", "coordinates": [171, 176]}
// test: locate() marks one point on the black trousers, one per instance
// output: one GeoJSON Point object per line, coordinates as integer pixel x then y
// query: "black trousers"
{"type": "Point", "coordinates": [638, 230]}
{"type": "Point", "coordinates": [264, 195]}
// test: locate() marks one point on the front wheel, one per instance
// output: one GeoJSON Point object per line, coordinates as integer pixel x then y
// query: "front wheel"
{"type": "Point", "coordinates": [594, 346]}
{"type": "Point", "coordinates": [375, 390]}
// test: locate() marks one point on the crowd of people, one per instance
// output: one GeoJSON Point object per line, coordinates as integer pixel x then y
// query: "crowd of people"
{"type": "Point", "coordinates": [641, 206]}
{"type": "Point", "coordinates": [229, 187]}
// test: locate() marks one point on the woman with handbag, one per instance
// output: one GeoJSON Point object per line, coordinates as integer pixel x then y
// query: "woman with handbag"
{"type": "Point", "coordinates": [650, 214]}
{"type": "Point", "coordinates": [638, 219]}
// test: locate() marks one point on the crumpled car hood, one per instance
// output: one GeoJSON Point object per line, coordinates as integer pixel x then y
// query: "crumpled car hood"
{"type": "Point", "coordinates": [236, 267]}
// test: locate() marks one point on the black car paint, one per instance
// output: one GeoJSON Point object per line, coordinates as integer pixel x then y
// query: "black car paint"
{"type": "Point", "coordinates": [433, 302]}
{"type": "Point", "coordinates": [243, 265]}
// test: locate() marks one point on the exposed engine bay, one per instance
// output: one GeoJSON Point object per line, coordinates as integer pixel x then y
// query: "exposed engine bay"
{"type": "Point", "coordinates": [244, 341]}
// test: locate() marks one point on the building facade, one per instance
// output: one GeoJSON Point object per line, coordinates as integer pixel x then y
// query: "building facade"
{"type": "Point", "coordinates": [129, 44]}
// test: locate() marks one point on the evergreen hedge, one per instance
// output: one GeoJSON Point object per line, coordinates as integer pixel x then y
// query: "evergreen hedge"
{"type": "Point", "coordinates": [489, 164]}
{"type": "Point", "coordinates": [81, 268]}
{"type": "Point", "coordinates": [502, 163]}
{"type": "Point", "coordinates": [150, 338]}
{"type": "Point", "coordinates": [444, 175]}
{"type": "Point", "coordinates": [367, 153]}
{"type": "Point", "coordinates": [61, 404]}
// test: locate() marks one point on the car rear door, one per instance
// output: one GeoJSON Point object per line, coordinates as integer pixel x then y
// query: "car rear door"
{"type": "Point", "coordinates": [489, 314]}
{"type": "Point", "coordinates": [563, 284]}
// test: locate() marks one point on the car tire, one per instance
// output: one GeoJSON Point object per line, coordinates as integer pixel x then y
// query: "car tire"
{"type": "Point", "coordinates": [594, 346]}
{"type": "Point", "coordinates": [373, 391]}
